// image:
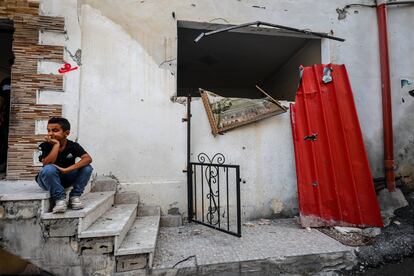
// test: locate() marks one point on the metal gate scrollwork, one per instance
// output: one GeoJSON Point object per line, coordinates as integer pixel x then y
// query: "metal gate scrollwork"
{"type": "Point", "coordinates": [215, 193]}
{"type": "Point", "coordinates": [213, 188]}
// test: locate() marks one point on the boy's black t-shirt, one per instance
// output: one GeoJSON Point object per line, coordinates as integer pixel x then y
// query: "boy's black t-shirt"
{"type": "Point", "coordinates": [65, 158]}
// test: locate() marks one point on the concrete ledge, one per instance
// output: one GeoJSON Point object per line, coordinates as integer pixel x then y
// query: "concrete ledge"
{"type": "Point", "coordinates": [21, 190]}
{"type": "Point", "coordinates": [20, 209]}
{"type": "Point", "coordinates": [314, 264]}
{"type": "Point", "coordinates": [276, 245]}
{"type": "Point", "coordinates": [91, 202]}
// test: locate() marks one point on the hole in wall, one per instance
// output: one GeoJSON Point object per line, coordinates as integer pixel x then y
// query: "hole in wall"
{"type": "Point", "coordinates": [232, 63]}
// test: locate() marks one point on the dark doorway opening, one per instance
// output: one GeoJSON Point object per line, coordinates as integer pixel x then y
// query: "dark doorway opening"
{"type": "Point", "coordinates": [232, 63]}
{"type": "Point", "coordinates": [6, 62]}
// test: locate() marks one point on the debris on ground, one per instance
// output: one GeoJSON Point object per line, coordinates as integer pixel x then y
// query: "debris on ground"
{"type": "Point", "coordinates": [371, 232]}
{"type": "Point", "coordinates": [349, 238]}
{"type": "Point", "coordinates": [264, 222]}
{"type": "Point", "coordinates": [389, 202]}
{"type": "Point", "coordinates": [347, 230]}
{"type": "Point", "coordinates": [395, 242]}
{"type": "Point", "coordinates": [196, 232]}
{"type": "Point", "coordinates": [249, 224]}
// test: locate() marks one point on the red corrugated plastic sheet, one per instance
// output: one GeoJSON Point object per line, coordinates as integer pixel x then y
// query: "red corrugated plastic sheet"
{"type": "Point", "coordinates": [335, 185]}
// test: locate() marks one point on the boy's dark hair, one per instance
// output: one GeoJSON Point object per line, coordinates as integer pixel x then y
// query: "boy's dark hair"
{"type": "Point", "coordinates": [63, 122]}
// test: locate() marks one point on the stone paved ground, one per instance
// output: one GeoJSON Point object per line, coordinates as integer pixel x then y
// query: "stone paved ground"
{"type": "Point", "coordinates": [201, 245]}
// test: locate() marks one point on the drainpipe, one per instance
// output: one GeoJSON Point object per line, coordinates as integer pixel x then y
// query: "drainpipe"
{"type": "Point", "coordinates": [386, 95]}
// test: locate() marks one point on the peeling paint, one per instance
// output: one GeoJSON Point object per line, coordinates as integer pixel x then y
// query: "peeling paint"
{"type": "Point", "coordinates": [277, 206]}
{"type": "Point", "coordinates": [74, 245]}
{"type": "Point", "coordinates": [407, 174]}
{"type": "Point", "coordinates": [77, 57]}
{"type": "Point", "coordinates": [180, 100]}
{"type": "Point", "coordinates": [341, 13]}
{"type": "Point", "coordinates": [407, 85]}
{"type": "Point", "coordinates": [406, 82]}
{"type": "Point", "coordinates": [174, 211]}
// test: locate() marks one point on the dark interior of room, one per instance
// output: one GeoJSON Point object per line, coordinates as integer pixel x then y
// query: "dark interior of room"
{"type": "Point", "coordinates": [232, 63]}
{"type": "Point", "coordinates": [6, 61]}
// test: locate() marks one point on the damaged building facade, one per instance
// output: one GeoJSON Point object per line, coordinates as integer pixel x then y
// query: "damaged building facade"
{"type": "Point", "coordinates": [132, 63]}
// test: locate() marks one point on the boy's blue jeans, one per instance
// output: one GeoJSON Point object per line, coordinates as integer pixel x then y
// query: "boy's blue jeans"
{"type": "Point", "coordinates": [52, 180]}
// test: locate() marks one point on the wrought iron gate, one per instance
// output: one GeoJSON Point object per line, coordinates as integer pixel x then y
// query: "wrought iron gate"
{"type": "Point", "coordinates": [213, 189]}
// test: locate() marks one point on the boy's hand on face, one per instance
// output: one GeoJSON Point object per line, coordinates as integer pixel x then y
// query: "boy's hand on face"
{"type": "Point", "coordinates": [62, 170]}
{"type": "Point", "coordinates": [50, 140]}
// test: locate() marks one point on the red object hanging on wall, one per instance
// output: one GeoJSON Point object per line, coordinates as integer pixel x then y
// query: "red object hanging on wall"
{"type": "Point", "coordinates": [334, 179]}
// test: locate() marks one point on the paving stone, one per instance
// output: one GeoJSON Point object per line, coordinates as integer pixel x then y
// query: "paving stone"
{"type": "Point", "coordinates": [282, 238]}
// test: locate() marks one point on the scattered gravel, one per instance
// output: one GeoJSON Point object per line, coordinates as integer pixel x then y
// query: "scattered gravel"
{"type": "Point", "coordinates": [392, 250]}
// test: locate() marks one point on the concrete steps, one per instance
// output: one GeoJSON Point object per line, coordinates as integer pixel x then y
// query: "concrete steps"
{"type": "Point", "coordinates": [96, 204]}
{"type": "Point", "coordinates": [141, 238]}
{"type": "Point", "coordinates": [138, 247]}
{"type": "Point", "coordinates": [114, 224]}
{"type": "Point", "coordinates": [112, 232]}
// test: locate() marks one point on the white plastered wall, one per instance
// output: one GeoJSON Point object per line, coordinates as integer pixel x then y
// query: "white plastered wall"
{"type": "Point", "coordinates": [69, 97]}
{"type": "Point", "coordinates": [134, 131]}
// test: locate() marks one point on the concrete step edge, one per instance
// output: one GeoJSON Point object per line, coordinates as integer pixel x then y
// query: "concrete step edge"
{"type": "Point", "coordinates": [112, 222]}
{"type": "Point", "coordinates": [96, 199]}
{"type": "Point", "coordinates": [142, 237]}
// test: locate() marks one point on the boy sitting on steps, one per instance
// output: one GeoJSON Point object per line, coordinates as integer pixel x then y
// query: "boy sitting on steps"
{"type": "Point", "coordinates": [59, 169]}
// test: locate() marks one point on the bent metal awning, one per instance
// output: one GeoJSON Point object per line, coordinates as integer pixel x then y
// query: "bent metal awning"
{"type": "Point", "coordinates": [261, 23]}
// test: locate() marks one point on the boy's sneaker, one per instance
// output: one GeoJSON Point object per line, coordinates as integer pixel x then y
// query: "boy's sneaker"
{"type": "Point", "coordinates": [75, 203]}
{"type": "Point", "coordinates": [60, 206]}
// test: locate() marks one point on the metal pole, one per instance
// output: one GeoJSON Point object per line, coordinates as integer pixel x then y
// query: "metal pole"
{"type": "Point", "coordinates": [189, 167]}
{"type": "Point", "coordinates": [386, 97]}
{"type": "Point", "coordinates": [238, 201]}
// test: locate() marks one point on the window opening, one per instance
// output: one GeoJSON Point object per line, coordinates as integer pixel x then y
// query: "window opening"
{"type": "Point", "coordinates": [233, 62]}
